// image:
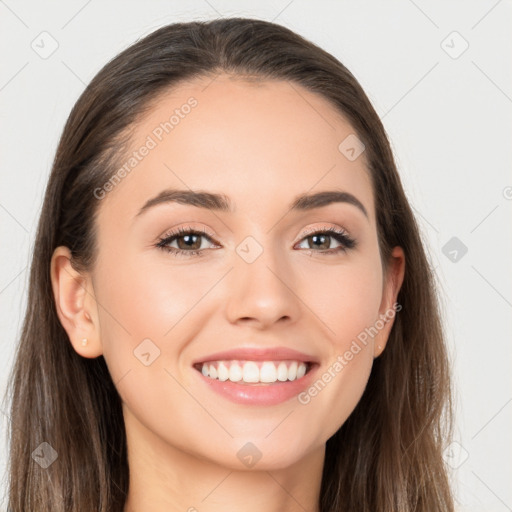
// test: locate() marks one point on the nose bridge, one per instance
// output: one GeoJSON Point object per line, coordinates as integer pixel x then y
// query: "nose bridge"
{"type": "Point", "coordinates": [261, 284]}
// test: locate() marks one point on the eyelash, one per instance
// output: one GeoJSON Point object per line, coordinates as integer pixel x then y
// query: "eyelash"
{"type": "Point", "coordinates": [339, 235]}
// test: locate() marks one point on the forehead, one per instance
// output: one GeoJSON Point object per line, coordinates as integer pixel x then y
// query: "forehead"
{"type": "Point", "coordinates": [259, 142]}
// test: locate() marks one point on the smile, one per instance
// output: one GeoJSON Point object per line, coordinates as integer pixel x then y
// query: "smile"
{"type": "Point", "coordinates": [254, 372]}
{"type": "Point", "coordinates": [257, 383]}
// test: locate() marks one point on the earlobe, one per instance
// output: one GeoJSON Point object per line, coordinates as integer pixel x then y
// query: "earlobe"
{"type": "Point", "coordinates": [75, 304]}
{"type": "Point", "coordinates": [389, 307]}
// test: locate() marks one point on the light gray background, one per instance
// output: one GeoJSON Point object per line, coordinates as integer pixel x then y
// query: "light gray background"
{"type": "Point", "coordinates": [448, 117]}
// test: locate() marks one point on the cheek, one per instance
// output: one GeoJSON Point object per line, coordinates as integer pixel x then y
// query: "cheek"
{"type": "Point", "coordinates": [340, 383]}
{"type": "Point", "coordinates": [148, 299]}
{"type": "Point", "coordinates": [346, 298]}
{"type": "Point", "coordinates": [145, 319]}
{"type": "Point", "coordinates": [149, 307]}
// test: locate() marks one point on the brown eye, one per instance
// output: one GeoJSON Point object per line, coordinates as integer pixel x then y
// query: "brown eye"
{"type": "Point", "coordinates": [188, 242]}
{"type": "Point", "coordinates": [322, 240]}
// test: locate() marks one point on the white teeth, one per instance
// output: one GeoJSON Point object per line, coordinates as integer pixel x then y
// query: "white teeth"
{"type": "Point", "coordinates": [223, 372]}
{"type": "Point", "coordinates": [252, 372]}
{"type": "Point", "coordinates": [292, 371]}
{"type": "Point", "coordinates": [282, 372]}
{"type": "Point", "coordinates": [235, 373]}
{"type": "Point", "coordinates": [268, 372]}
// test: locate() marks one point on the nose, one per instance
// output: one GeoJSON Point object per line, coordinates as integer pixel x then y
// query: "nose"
{"type": "Point", "coordinates": [263, 292]}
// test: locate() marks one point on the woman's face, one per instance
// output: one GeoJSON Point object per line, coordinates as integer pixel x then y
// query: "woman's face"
{"type": "Point", "coordinates": [256, 279]}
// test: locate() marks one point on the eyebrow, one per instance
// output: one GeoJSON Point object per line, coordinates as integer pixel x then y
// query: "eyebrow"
{"type": "Point", "coordinates": [222, 203]}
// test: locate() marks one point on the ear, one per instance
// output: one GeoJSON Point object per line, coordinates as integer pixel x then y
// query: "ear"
{"type": "Point", "coordinates": [75, 304]}
{"type": "Point", "coordinates": [387, 311]}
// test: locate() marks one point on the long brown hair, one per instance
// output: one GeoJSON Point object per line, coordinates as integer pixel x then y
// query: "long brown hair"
{"type": "Point", "coordinates": [387, 457]}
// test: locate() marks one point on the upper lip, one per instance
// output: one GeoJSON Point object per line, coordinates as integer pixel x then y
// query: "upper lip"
{"type": "Point", "coordinates": [259, 354]}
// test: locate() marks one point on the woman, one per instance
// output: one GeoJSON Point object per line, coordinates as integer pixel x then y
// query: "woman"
{"type": "Point", "coordinates": [230, 305]}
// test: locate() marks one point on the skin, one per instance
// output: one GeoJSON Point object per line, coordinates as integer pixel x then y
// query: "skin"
{"type": "Point", "coordinates": [261, 144]}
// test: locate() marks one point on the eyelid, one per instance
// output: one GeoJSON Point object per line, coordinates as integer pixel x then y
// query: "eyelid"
{"type": "Point", "coordinates": [187, 229]}
{"type": "Point", "coordinates": [310, 231]}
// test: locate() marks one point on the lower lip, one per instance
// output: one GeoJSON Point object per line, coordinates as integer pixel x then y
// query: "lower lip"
{"type": "Point", "coordinates": [260, 394]}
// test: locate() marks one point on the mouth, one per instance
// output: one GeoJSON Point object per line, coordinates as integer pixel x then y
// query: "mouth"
{"type": "Point", "coordinates": [256, 379]}
{"type": "Point", "coordinates": [257, 376]}
{"type": "Point", "coordinates": [254, 373]}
